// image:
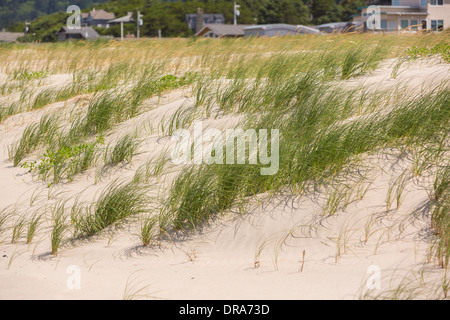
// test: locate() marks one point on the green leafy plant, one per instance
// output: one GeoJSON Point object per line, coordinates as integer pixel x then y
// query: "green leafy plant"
{"type": "Point", "coordinates": [442, 48]}
{"type": "Point", "coordinates": [71, 160]}
{"type": "Point", "coordinates": [25, 75]}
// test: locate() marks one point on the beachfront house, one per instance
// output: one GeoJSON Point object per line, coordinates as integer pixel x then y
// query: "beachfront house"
{"type": "Point", "coordinates": [410, 15]}
{"type": "Point", "coordinates": [97, 18]}
{"type": "Point", "coordinates": [196, 21]}
{"type": "Point", "coordinates": [84, 33]}
{"type": "Point", "coordinates": [222, 30]}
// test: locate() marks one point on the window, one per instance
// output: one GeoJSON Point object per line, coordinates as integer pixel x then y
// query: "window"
{"type": "Point", "coordinates": [437, 25]}
{"type": "Point", "coordinates": [437, 2]}
{"type": "Point", "coordinates": [404, 24]}
{"type": "Point", "coordinates": [395, 2]}
{"type": "Point", "coordinates": [434, 25]}
{"type": "Point", "coordinates": [433, 2]}
{"type": "Point", "coordinates": [423, 3]}
{"type": "Point", "coordinates": [440, 2]}
{"type": "Point", "coordinates": [383, 24]}
{"type": "Point", "coordinates": [414, 24]}
{"type": "Point", "coordinates": [392, 25]}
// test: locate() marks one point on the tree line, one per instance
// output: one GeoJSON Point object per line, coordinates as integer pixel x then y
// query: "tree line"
{"type": "Point", "coordinates": [169, 16]}
{"type": "Point", "coordinates": [13, 11]}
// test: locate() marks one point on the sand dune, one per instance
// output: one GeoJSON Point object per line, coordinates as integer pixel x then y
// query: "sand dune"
{"type": "Point", "coordinates": [283, 247]}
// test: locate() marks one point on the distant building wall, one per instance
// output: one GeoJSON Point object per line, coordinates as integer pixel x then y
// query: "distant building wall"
{"type": "Point", "coordinates": [412, 15]}
{"type": "Point", "coordinates": [208, 18]}
{"type": "Point", "coordinates": [439, 13]}
{"type": "Point", "coordinates": [275, 30]}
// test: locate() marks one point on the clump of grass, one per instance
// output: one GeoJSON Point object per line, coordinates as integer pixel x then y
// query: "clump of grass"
{"type": "Point", "coordinates": [352, 63]}
{"type": "Point", "coordinates": [123, 151]}
{"type": "Point", "coordinates": [59, 228]}
{"type": "Point", "coordinates": [18, 229]}
{"type": "Point", "coordinates": [191, 198]}
{"type": "Point", "coordinates": [149, 230]}
{"type": "Point", "coordinates": [5, 214]}
{"type": "Point", "coordinates": [258, 252]}
{"type": "Point", "coordinates": [153, 168]}
{"type": "Point", "coordinates": [42, 99]}
{"type": "Point", "coordinates": [106, 110]}
{"type": "Point", "coordinates": [36, 134]}
{"type": "Point", "coordinates": [9, 110]}
{"type": "Point", "coordinates": [334, 200]}
{"type": "Point", "coordinates": [440, 219]}
{"type": "Point", "coordinates": [134, 289]}
{"type": "Point", "coordinates": [117, 202]}
{"type": "Point", "coordinates": [396, 67]}
{"type": "Point", "coordinates": [81, 160]}
{"type": "Point", "coordinates": [342, 240]}
{"type": "Point", "coordinates": [32, 225]}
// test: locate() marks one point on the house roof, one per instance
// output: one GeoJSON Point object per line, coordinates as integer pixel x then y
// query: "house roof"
{"type": "Point", "coordinates": [293, 28]}
{"type": "Point", "coordinates": [269, 26]}
{"type": "Point", "coordinates": [86, 32]}
{"type": "Point", "coordinates": [102, 15]}
{"type": "Point", "coordinates": [305, 29]}
{"type": "Point", "coordinates": [10, 36]}
{"type": "Point", "coordinates": [223, 29]}
{"type": "Point", "coordinates": [333, 25]}
{"type": "Point", "coordinates": [125, 19]}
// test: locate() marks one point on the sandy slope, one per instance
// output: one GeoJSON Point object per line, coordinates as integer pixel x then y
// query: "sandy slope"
{"type": "Point", "coordinates": [258, 255]}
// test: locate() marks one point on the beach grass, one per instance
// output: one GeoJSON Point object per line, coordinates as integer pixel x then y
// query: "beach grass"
{"type": "Point", "coordinates": [303, 86]}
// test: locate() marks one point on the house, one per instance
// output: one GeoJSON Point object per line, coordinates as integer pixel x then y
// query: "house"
{"type": "Point", "coordinates": [272, 30]}
{"type": "Point", "coordinates": [97, 18]}
{"type": "Point", "coordinates": [222, 30]}
{"type": "Point", "coordinates": [411, 15]}
{"type": "Point", "coordinates": [196, 21]}
{"type": "Point", "coordinates": [10, 36]}
{"type": "Point", "coordinates": [84, 33]}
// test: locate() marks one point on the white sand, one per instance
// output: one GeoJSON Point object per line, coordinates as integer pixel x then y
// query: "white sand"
{"type": "Point", "coordinates": [258, 255]}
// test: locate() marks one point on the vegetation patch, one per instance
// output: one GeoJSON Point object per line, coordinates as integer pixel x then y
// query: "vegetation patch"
{"type": "Point", "coordinates": [442, 49]}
